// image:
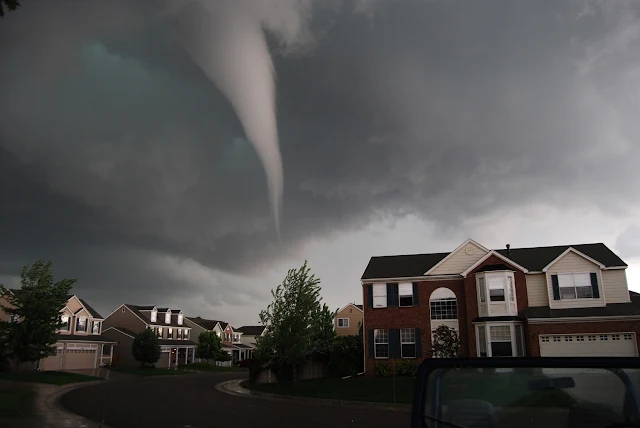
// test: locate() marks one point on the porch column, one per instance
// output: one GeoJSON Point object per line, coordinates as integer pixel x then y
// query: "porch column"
{"type": "Point", "coordinates": [101, 354]}
{"type": "Point", "coordinates": [169, 366]}
{"type": "Point", "coordinates": [193, 356]}
{"type": "Point", "coordinates": [186, 355]}
{"type": "Point", "coordinates": [95, 359]}
{"type": "Point", "coordinates": [111, 354]}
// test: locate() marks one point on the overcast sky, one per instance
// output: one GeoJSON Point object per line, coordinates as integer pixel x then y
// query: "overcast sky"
{"type": "Point", "coordinates": [134, 138]}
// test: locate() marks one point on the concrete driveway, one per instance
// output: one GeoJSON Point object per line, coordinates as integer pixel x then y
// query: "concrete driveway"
{"type": "Point", "coordinates": [192, 401]}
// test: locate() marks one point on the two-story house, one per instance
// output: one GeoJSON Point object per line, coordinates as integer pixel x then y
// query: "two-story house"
{"type": "Point", "coordinates": [250, 334]}
{"type": "Point", "coordinates": [348, 320]}
{"type": "Point", "coordinates": [231, 338]}
{"type": "Point", "coordinates": [568, 300]}
{"type": "Point", "coordinates": [169, 325]}
{"type": "Point", "coordinates": [80, 345]}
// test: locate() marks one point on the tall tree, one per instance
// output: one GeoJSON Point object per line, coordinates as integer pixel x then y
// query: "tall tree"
{"type": "Point", "coordinates": [9, 4]}
{"type": "Point", "coordinates": [322, 332]}
{"type": "Point", "coordinates": [293, 333]}
{"type": "Point", "coordinates": [209, 346]}
{"type": "Point", "coordinates": [146, 348]}
{"type": "Point", "coordinates": [34, 309]}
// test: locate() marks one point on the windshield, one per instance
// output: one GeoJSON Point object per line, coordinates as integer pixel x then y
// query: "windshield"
{"type": "Point", "coordinates": [530, 397]}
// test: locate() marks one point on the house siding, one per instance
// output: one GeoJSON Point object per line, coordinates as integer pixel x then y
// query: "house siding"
{"type": "Point", "coordinates": [574, 263]}
{"type": "Point", "coordinates": [126, 319]}
{"type": "Point", "coordinates": [460, 261]}
{"type": "Point", "coordinates": [195, 329]}
{"type": "Point", "coordinates": [74, 304]}
{"type": "Point", "coordinates": [537, 292]}
{"type": "Point", "coordinates": [354, 315]}
{"type": "Point", "coordinates": [122, 352]}
{"type": "Point", "coordinates": [615, 286]}
{"type": "Point", "coordinates": [586, 327]}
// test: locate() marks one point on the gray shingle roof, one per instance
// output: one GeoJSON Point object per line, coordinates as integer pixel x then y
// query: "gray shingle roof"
{"type": "Point", "coordinates": [136, 309]}
{"type": "Point", "coordinates": [534, 259]}
{"type": "Point", "coordinates": [251, 330]}
{"type": "Point", "coordinates": [83, 338]}
{"type": "Point", "coordinates": [611, 310]}
{"type": "Point", "coordinates": [207, 324]}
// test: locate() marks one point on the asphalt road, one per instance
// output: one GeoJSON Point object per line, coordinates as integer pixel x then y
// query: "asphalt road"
{"type": "Point", "coordinates": [192, 401]}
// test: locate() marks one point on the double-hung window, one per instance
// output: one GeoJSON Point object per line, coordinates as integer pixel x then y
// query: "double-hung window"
{"type": "Point", "coordinates": [408, 342]}
{"type": "Point", "coordinates": [95, 327]}
{"type": "Point", "coordinates": [575, 286]}
{"type": "Point", "coordinates": [405, 291]}
{"type": "Point", "coordinates": [343, 322]}
{"type": "Point", "coordinates": [482, 290]}
{"type": "Point", "coordinates": [81, 324]}
{"type": "Point", "coordinates": [159, 332]}
{"type": "Point", "coordinates": [496, 288]}
{"type": "Point", "coordinates": [64, 323]}
{"type": "Point", "coordinates": [381, 343]}
{"type": "Point", "coordinates": [379, 295]}
{"type": "Point", "coordinates": [170, 333]}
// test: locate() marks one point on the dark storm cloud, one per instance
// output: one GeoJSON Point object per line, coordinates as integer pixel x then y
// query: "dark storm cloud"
{"type": "Point", "coordinates": [447, 110]}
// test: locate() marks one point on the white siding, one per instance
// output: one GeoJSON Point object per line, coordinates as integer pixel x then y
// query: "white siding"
{"type": "Point", "coordinates": [615, 286]}
{"type": "Point", "coordinates": [460, 261]}
{"type": "Point", "coordinates": [537, 294]}
{"type": "Point", "coordinates": [573, 263]}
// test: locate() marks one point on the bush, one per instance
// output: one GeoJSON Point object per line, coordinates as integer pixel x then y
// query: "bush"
{"type": "Point", "coordinates": [406, 368]}
{"type": "Point", "coordinates": [381, 369]}
{"type": "Point", "coordinates": [146, 349]}
{"type": "Point", "coordinates": [347, 356]}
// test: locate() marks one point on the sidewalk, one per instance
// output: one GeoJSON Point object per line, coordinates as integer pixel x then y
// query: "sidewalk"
{"type": "Point", "coordinates": [47, 410]}
{"type": "Point", "coordinates": [233, 387]}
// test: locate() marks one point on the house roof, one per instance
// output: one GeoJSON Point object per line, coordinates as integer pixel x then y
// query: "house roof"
{"type": "Point", "coordinates": [533, 259]}
{"type": "Point", "coordinates": [83, 338]}
{"type": "Point", "coordinates": [121, 330]}
{"type": "Point", "coordinates": [494, 267]}
{"type": "Point", "coordinates": [610, 310]}
{"type": "Point", "coordinates": [251, 330]}
{"type": "Point", "coordinates": [207, 324]}
{"type": "Point", "coordinates": [136, 309]}
{"type": "Point", "coordinates": [92, 311]}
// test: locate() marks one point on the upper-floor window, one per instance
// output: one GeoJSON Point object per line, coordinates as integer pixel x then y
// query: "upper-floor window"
{"type": "Point", "coordinates": [575, 286]}
{"type": "Point", "coordinates": [379, 295]}
{"type": "Point", "coordinates": [482, 289]}
{"type": "Point", "coordinates": [186, 334]}
{"type": "Point", "coordinates": [170, 333]}
{"type": "Point", "coordinates": [159, 332]}
{"type": "Point", "coordinates": [496, 288]}
{"type": "Point", "coordinates": [405, 292]}
{"type": "Point", "coordinates": [64, 323]}
{"type": "Point", "coordinates": [95, 327]}
{"type": "Point", "coordinates": [167, 317]}
{"type": "Point", "coordinates": [154, 315]}
{"type": "Point", "coordinates": [381, 343]}
{"type": "Point", "coordinates": [180, 317]}
{"type": "Point", "coordinates": [81, 324]}
{"type": "Point", "coordinates": [443, 304]}
{"type": "Point", "coordinates": [343, 322]}
{"type": "Point", "coordinates": [179, 333]}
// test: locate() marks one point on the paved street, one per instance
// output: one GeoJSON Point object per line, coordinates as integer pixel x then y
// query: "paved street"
{"type": "Point", "coordinates": [192, 401]}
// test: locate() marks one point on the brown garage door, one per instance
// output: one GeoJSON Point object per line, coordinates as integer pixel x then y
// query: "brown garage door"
{"type": "Point", "coordinates": [52, 362]}
{"type": "Point", "coordinates": [79, 356]}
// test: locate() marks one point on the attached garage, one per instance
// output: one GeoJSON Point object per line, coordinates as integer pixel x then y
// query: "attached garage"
{"type": "Point", "coordinates": [80, 356]}
{"type": "Point", "coordinates": [589, 345]}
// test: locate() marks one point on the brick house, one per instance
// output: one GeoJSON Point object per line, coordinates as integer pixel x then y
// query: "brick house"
{"type": "Point", "coordinates": [569, 300]}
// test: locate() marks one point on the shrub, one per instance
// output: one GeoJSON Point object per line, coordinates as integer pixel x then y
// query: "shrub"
{"type": "Point", "coordinates": [381, 369]}
{"type": "Point", "coordinates": [347, 355]}
{"type": "Point", "coordinates": [406, 368]}
{"type": "Point", "coordinates": [146, 349]}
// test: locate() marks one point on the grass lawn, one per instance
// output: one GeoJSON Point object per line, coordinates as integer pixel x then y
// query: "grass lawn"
{"type": "Point", "coordinates": [147, 371]}
{"type": "Point", "coordinates": [52, 377]}
{"type": "Point", "coordinates": [211, 368]}
{"type": "Point", "coordinates": [375, 389]}
{"type": "Point", "coordinates": [15, 402]}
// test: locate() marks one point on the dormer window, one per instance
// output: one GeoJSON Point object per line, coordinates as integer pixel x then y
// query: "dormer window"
{"type": "Point", "coordinates": [167, 317]}
{"type": "Point", "coordinates": [180, 317]}
{"type": "Point", "coordinates": [575, 286]}
{"type": "Point", "coordinates": [154, 315]}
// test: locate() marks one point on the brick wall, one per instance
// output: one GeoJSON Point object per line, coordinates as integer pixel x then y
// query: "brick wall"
{"type": "Point", "coordinates": [412, 317]}
{"type": "Point", "coordinates": [535, 330]}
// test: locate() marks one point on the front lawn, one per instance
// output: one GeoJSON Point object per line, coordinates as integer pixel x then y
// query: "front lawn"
{"type": "Point", "coordinates": [211, 368]}
{"type": "Point", "coordinates": [15, 402]}
{"type": "Point", "coordinates": [148, 371]}
{"type": "Point", "coordinates": [375, 389]}
{"type": "Point", "coordinates": [52, 377]}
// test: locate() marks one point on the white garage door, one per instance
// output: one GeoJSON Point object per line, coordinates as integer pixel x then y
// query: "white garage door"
{"type": "Point", "coordinates": [589, 345]}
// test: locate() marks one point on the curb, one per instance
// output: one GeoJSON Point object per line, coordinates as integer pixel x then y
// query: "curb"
{"type": "Point", "coordinates": [232, 387]}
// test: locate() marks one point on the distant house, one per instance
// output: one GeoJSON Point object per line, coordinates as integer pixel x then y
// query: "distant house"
{"type": "Point", "coordinates": [80, 345]}
{"type": "Point", "coordinates": [348, 319]}
{"type": "Point", "coordinates": [169, 325]}
{"type": "Point", "coordinates": [231, 338]}
{"type": "Point", "coordinates": [250, 333]}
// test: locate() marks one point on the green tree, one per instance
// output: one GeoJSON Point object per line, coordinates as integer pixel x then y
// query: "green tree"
{"type": "Point", "coordinates": [146, 348]}
{"type": "Point", "coordinates": [36, 307]}
{"type": "Point", "coordinates": [9, 4]}
{"type": "Point", "coordinates": [294, 330]}
{"type": "Point", "coordinates": [322, 332]}
{"type": "Point", "coordinates": [209, 346]}
{"type": "Point", "coordinates": [446, 342]}
{"type": "Point", "coordinates": [347, 354]}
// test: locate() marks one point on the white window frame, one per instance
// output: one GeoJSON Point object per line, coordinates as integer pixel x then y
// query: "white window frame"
{"type": "Point", "coordinates": [503, 287]}
{"type": "Point", "coordinates": [489, 339]}
{"type": "Point", "coordinates": [86, 322]}
{"type": "Point", "coordinates": [575, 287]}
{"type": "Point", "coordinates": [451, 299]}
{"type": "Point", "coordinates": [482, 289]}
{"type": "Point", "coordinates": [93, 324]}
{"type": "Point", "coordinates": [402, 342]}
{"type": "Point", "coordinates": [405, 289]}
{"type": "Point", "coordinates": [61, 317]}
{"type": "Point", "coordinates": [344, 324]}
{"type": "Point", "coordinates": [379, 295]}
{"type": "Point", "coordinates": [167, 317]}
{"type": "Point", "coordinates": [376, 343]}
{"type": "Point", "coordinates": [179, 333]}
{"type": "Point", "coordinates": [180, 319]}
{"type": "Point", "coordinates": [154, 315]}
{"type": "Point", "coordinates": [185, 334]}
{"type": "Point", "coordinates": [159, 332]}
{"type": "Point", "coordinates": [169, 333]}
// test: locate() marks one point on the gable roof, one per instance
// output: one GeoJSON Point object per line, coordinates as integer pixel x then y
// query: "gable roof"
{"type": "Point", "coordinates": [533, 259]}
{"type": "Point", "coordinates": [121, 330]}
{"type": "Point", "coordinates": [92, 311]}
{"type": "Point", "coordinates": [460, 247]}
{"type": "Point", "coordinates": [251, 330]}
{"type": "Point", "coordinates": [358, 307]}
{"type": "Point", "coordinates": [136, 309]}
{"type": "Point", "coordinates": [206, 324]}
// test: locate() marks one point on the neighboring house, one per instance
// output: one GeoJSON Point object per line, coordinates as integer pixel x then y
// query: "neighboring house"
{"type": "Point", "coordinates": [348, 319]}
{"type": "Point", "coordinates": [80, 345]}
{"type": "Point", "coordinates": [169, 325]}
{"type": "Point", "coordinates": [569, 300]}
{"type": "Point", "coordinates": [231, 339]}
{"type": "Point", "coordinates": [250, 333]}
